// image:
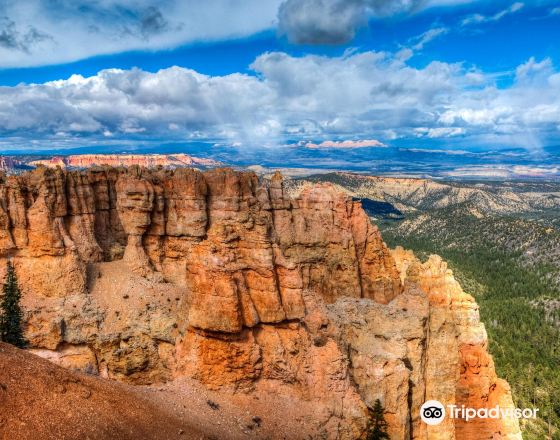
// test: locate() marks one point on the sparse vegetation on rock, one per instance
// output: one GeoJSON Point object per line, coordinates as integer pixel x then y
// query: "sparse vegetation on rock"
{"type": "Point", "coordinates": [377, 429]}
{"type": "Point", "coordinates": [11, 314]}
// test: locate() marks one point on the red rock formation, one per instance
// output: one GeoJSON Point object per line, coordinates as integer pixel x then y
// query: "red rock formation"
{"type": "Point", "coordinates": [458, 368]}
{"type": "Point", "coordinates": [145, 275]}
{"type": "Point", "coordinates": [125, 160]}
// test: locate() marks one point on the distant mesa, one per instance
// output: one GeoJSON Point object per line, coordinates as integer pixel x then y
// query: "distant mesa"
{"type": "Point", "coordinates": [393, 197]}
{"type": "Point", "coordinates": [347, 144]}
{"type": "Point", "coordinates": [126, 160]}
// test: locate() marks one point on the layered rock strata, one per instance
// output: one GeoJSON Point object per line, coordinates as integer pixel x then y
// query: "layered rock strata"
{"type": "Point", "coordinates": [457, 366]}
{"type": "Point", "coordinates": [117, 160]}
{"type": "Point", "coordinates": [144, 276]}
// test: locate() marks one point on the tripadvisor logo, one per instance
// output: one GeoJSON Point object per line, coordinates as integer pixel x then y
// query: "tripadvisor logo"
{"type": "Point", "coordinates": [433, 412]}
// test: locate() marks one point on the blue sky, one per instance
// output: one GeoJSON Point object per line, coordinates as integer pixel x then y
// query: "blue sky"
{"type": "Point", "coordinates": [312, 74]}
{"type": "Point", "coordinates": [494, 47]}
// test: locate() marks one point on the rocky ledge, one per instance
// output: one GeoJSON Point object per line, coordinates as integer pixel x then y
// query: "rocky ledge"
{"type": "Point", "coordinates": [145, 276]}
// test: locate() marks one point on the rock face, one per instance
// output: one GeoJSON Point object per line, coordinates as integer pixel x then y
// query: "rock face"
{"type": "Point", "coordinates": [144, 276]}
{"type": "Point", "coordinates": [458, 368]}
{"type": "Point", "coordinates": [7, 163]}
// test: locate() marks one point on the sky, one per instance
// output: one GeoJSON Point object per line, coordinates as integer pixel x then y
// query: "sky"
{"type": "Point", "coordinates": [266, 75]}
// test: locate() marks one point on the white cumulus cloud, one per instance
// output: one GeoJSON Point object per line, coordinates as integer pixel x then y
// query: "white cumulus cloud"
{"type": "Point", "coordinates": [360, 96]}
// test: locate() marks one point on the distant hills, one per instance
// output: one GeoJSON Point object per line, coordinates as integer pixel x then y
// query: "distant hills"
{"type": "Point", "coordinates": [408, 195]}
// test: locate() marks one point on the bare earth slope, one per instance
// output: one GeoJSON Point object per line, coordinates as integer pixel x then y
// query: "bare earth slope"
{"type": "Point", "coordinates": [39, 400]}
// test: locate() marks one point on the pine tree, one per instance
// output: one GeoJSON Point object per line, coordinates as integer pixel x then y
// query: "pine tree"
{"type": "Point", "coordinates": [377, 429]}
{"type": "Point", "coordinates": [11, 314]}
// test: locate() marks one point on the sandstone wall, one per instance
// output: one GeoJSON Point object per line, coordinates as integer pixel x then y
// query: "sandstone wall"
{"type": "Point", "coordinates": [458, 368]}
{"type": "Point", "coordinates": [144, 276]}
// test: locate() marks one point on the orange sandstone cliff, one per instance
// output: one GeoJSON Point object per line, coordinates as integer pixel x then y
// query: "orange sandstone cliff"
{"type": "Point", "coordinates": [146, 276]}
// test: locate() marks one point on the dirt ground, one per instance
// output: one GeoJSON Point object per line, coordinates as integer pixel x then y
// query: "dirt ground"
{"type": "Point", "coordinates": [39, 400]}
{"type": "Point", "coordinates": [232, 416]}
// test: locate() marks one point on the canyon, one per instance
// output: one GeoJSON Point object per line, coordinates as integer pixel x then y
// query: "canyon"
{"type": "Point", "coordinates": [150, 276]}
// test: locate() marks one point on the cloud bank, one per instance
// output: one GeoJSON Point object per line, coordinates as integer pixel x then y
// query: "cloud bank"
{"type": "Point", "coordinates": [367, 95]}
